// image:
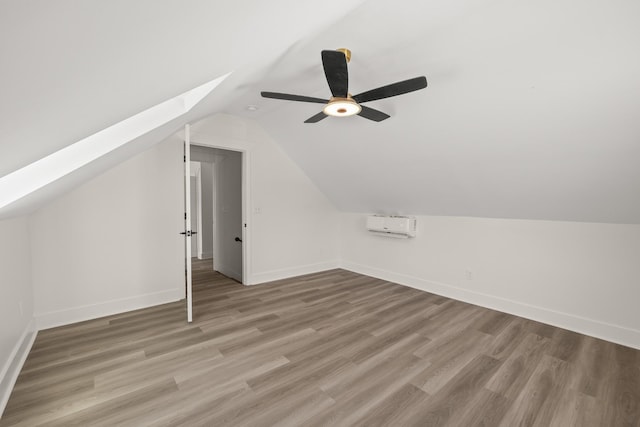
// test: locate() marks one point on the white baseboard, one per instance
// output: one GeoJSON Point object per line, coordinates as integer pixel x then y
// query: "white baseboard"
{"type": "Point", "coordinates": [285, 273]}
{"type": "Point", "coordinates": [13, 366]}
{"type": "Point", "coordinates": [595, 328]}
{"type": "Point", "coordinates": [93, 311]}
{"type": "Point", "coordinates": [205, 255]}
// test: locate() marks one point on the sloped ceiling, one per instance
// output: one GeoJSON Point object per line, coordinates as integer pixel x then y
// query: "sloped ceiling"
{"type": "Point", "coordinates": [71, 68]}
{"type": "Point", "coordinates": [531, 111]}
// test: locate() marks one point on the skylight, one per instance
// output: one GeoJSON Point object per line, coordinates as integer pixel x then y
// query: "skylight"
{"type": "Point", "coordinates": [36, 175]}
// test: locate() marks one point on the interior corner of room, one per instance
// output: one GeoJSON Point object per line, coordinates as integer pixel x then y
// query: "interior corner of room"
{"type": "Point", "coordinates": [518, 163]}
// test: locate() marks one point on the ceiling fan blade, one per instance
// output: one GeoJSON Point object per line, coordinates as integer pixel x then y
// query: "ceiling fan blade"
{"type": "Point", "coordinates": [289, 97]}
{"type": "Point", "coordinates": [371, 114]}
{"type": "Point", "coordinates": [315, 119]}
{"type": "Point", "coordinates": [393, 89]}
{"type": "Point", "coordinates": [335, 69]}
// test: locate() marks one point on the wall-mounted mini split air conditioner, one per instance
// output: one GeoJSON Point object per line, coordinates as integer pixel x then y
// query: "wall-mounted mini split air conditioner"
{"type": "Point", "coordinates": [401, 227]}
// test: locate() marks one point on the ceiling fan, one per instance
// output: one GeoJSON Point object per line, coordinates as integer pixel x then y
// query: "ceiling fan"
{"type": "Point", "coordinates": [342, 103]}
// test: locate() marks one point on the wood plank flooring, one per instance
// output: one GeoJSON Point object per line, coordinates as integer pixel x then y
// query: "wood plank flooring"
{"type": "Point", "coordinates": [328, 349]}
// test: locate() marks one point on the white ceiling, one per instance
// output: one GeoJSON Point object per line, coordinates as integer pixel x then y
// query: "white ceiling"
{"type": "Point", "coordinates": [74, 67]}
{"type": "Point", "coordinates": [532, 109]}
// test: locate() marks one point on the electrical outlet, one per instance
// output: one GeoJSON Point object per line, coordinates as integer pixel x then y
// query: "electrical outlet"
{"type": "Point", "coordinates": [257, 211]}
{"type": "Point", "coordinates": [468, 275]}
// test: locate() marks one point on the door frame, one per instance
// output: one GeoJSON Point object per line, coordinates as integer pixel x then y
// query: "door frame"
{"type": "Point", "coordinates": [246, 209]}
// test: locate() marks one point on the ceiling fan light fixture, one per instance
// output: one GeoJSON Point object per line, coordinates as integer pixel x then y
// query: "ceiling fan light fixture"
{"type": "Point", "coordinates": [343, 104]}
{"type": "Point", "coordinates": [342, 107]}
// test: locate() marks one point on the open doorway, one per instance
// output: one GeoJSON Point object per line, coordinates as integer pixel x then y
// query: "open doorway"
{"type": "Point", "coordinates": [217, 178]}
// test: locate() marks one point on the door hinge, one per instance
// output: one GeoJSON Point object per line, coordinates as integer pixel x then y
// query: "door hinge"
{"type": "Point", "coordinates": [184, 159]}
{"type": "Point", "coordinates": [185, 216]}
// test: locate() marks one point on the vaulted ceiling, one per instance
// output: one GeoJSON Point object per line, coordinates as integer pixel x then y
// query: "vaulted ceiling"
{"type": "Point", "coordinates": [531, 110]}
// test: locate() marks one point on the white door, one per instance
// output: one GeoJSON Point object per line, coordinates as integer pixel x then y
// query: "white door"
{"type": "Point", "coordinates": [229, 214]}
{"type": "Point", "coordinates": [187, 219]}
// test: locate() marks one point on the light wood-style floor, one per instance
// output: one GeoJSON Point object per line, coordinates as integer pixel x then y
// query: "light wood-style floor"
{"type": "Point", "coordinates": [328, 349]}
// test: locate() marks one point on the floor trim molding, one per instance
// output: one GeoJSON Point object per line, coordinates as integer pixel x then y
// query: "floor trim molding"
{"type": "Point", "coordinates": [595, 328]}
{"type": "Point", "coordinates": [285, 273]}
{"type": "Point", "coordinates": [13, 366]}
{"type": "Point", "coordinates": [93, 311]}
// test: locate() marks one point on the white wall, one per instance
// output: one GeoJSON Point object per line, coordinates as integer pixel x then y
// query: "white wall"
{"type": "Point", "coordinates": [228, 190]}
{"type": "Point", "coordinates": [581, 276]}
{"type": "Point", "coordinates": [112, 245]}
{"type": "Point", "coordinates": [293, 228]}
{"type": "Point", "coordinates": [16, 302]}
{"type": "Point", "coordinates": [206, 209]}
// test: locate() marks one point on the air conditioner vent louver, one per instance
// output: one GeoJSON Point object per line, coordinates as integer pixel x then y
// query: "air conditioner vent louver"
{"type": "Point", "coordinates": [392, 226]}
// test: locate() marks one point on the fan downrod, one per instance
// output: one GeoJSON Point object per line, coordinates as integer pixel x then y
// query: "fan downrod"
{"type": "Point", "coordinates": [347, 53]}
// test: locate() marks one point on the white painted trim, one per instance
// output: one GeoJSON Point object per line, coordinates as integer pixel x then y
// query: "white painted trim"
{"type": "Point", "coordinates": [13, 366]}
{"type": "Point", "coordinates": [285, 273]}
{"type": "Point", "coordinates": [187, 218]}
{"type": "Point", "coordinates": [205, 255]}
{"type": "Point", "coordinates": [606, 331]}
{"type": "Point", "coordinates": [246, 206]}
{"type": "Point", "coordinates": [246, 214]}
{"type": "Point", "coordinates": [94, 311]}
